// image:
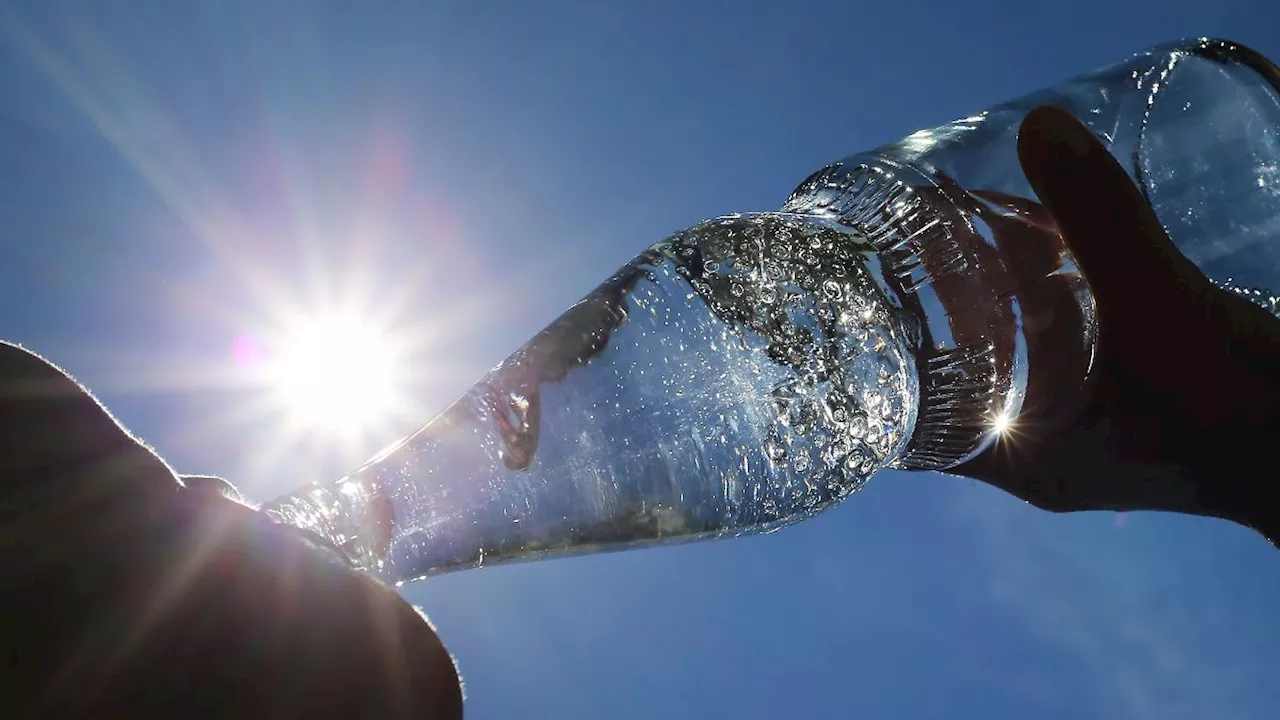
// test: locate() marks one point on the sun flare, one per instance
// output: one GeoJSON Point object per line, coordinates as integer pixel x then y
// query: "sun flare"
{"type": "Point", "coordinates": [334, 373]}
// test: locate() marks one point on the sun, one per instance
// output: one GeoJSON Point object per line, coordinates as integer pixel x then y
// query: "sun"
{"type": "Point", "coordinates": [335, 374]}
{"type": "Point", "coordinates": [1002, 424]}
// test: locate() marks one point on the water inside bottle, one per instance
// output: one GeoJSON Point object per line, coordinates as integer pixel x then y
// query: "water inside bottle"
{"type": "Point", "coordinates": [742, 375]}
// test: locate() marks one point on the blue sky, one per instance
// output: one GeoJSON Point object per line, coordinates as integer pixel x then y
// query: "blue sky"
{"type": "Point", "coordinates": [174, 176]}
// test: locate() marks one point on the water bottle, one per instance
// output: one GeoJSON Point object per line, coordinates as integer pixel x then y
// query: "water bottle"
{"type": "Point", "coordinates": [754, 370]}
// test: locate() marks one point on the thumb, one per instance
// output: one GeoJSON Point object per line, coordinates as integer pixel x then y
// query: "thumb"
{"type": "Point", "coordinates": [1104, 219]}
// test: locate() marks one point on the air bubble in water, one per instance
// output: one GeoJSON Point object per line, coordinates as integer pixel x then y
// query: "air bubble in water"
{"type": "Point", "coordinates": [775, 449]}
{"type": "Point", "coordinates": [858, 426]}
{"type": "Point", "coordinates": [801, 462]}
{"type": "Point", "coordinates": [872, 399]}
{"type": "Point", "coordinates": [853, 461]}
{"type": "Point", "coordinates": [874, 434]}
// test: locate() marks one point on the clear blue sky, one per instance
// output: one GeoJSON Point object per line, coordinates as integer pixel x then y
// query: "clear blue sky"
{"type": "Point", "coordinates": [171, 176]}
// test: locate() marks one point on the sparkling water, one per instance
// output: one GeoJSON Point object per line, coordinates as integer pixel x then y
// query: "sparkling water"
{"type": "Point", "coordinates": [742, 375]}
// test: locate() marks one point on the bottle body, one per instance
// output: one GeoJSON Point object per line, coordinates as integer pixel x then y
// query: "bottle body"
{"type": "Point", "coordinates": [742, 375]}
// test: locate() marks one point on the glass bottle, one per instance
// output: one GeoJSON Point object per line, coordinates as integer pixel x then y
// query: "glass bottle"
{"type": "Point", "coordinates": [754, 370]}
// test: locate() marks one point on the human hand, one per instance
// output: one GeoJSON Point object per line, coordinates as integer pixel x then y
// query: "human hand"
{"type": "Point", "coordinates": [127, 593]}
{"type": "Point", "coordinates": [1185, 384]}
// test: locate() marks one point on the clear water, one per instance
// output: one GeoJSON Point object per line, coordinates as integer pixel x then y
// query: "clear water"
{"type": "Point", "coordinates": [742, 375]}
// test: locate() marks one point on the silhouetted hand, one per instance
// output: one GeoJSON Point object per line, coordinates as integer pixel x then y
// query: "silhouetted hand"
{"type": "Point", "coordinates": [126, 593]}
{"type": "Point", "coordinates": [1185, 388]}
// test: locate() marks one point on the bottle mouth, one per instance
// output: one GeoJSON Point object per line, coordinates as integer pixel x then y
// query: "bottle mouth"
{"type": "Point", "coordinates": [972, 358]}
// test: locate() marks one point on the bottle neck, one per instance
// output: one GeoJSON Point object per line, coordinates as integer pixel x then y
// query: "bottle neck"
{"type": "Point", "coordinates": [1007, 323]}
